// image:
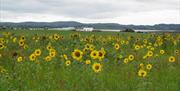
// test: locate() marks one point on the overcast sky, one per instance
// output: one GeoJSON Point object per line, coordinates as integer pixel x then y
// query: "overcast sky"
{"type": "Point", "coordinates": [144, 12]}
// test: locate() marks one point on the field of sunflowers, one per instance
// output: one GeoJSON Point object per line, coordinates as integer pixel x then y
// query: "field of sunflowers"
{"type": "Point", "coordinates": [42, 60]}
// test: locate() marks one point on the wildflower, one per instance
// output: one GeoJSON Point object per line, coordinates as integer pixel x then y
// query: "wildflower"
{"type": "Point", "coordinates": [37, 52]}
{"type": "Point", "coordinates": [117, 46]}
{"type": "Point", "coordinates": [77, 54]}
{"type": "Point", "coordinates": [172, 59]}
{"type": "Point", "coordinates": [48, 58]}
{"type": "Point", "coordinates": [94, 54]}
{"type": "Point", "coordinates": [162, 51]}
{"type": "Point", "coordinates": [88, 62]}
{"type": "Point", "coordinates": [97, 67]}
{"type": "Point", "coordinates": [142, 73]}
{"type": "Point", "coordinates": [32, 57]}
{"type": "Point", "coordinates": [149, 66]}
{"type": "Point", "coordinates": [20, 59]}
{"type": "Point", "coordinates": [68, 62]}
{"type": "Point", "coordinates": [131, 57]}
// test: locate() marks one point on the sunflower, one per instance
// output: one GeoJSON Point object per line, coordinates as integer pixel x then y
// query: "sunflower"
{"type": "Point", "coordinates": [100, 55]}
{"type": "Point", "coordinates": [117, 46]}
{"type": "Point", "coordinates": [22, 38]}
{"type": "Point", "coordinates": [172, 59]}
{"type": "Point", "coordinates": [149, 66]}
{"type": "Point", "coordinates": [137, 47]}
{"type": "Point", "coordinates": [56, 36]}
{"type": "Point", "coordinates": [48, 58]}
{"type": "Point", "coordinates": [52, 50]}
{"type": "Point", "coordinates": [150, 53]}
{"type": "Point", "coordinates": [91, 47]}
{"type": "Point", "coordinates": [20, 59]}
{"type": "Point", "coordinates": [49, 47]}
{"type": "Point", "coordinates": [85, 50]}
{"type": "Point", "coordinates": [77, 54]}
{"type": "Point", "coordinates": [1, 46]}
{"type": "Point", "coordinates": [87, 46]}
{"type": "Point", "coordinates": [126, 60]}
{"type": "Point", "coordinates": [37, 52]}
{"type": "Point", "coordinates": [21, 43]}
{"type": "Point", "coordinates": [94, 54]}
{"type": "Point", "coordinates": [141, 66]}
{"type": "Point", "coordinates": [145, 41]}
{"type": "Point", "coordinates": [131, 57]}
{"type": "Point", "coordinates": [103, 51]}
{"type": "Point", "coordinates": [162, 51]}
{"type": "Point", "coordinates": [176, 51]}
{"type": "Point", "coordinates": [32, 57]}
{"type": "Point", "coordinates": [88, 62]}
{"type": "Point", "coordinates": [97, 67]}
{"type": "Point", "coordinates": [52, 54]}
{"type": "Point", "coordinates": [142, 73]}
{"type": "Point", "coordinates": [68, 62]}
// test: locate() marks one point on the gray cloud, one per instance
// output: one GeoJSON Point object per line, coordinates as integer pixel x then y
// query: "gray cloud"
{"type": "Point", "coordinates": [90, 9]}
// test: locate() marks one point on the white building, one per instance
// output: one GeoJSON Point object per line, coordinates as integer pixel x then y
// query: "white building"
{"type": "Point", "coordinates": [88, 29]}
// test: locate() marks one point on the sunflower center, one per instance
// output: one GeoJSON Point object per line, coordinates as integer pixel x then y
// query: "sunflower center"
{"type": "Point", "coordinates": [77, 54]}
{"type": "Point", "coordinates": [96, 67]}
{"type": "Point", "coordinates": [94, 54]}
{"type": "Point", "coordinates": [100, 54]}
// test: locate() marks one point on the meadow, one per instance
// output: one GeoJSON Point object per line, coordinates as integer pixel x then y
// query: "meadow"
{"type": "Point", "coordinates": [42, 60]}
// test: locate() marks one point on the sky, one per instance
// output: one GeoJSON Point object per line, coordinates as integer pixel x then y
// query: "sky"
{"type": "Point", "coordinates": [137, 12]}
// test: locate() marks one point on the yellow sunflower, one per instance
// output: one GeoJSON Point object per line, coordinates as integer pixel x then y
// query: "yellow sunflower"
{"type": "Point", "coordinates": [94, 54]}
{"type": "Point", "coordinates": [117, 46]}
{"type": "Point", "coordinates": [52, 54]}
{"type": "Point", "coordinates": [141, 66]}
{"type": "Point", "coordinates": [22, 38]}
{"type": "Point", "coordinates": [88, 62]}
{"type": "Point", "coordinates": [20, 59]}
{"type": "Point", "coordinates": [77, 54]}
{"type": "Point", "coordinates": [150, 53]}
{"type": "Point", "coordinates": [1, 46]}
{"type": "Point", "coordinates": [49, 47]}
{"type": "Point", "coordinates": [68, 62]}
{"type": "Point", "coordinates": [137, 47]}
{"type": "Point", "coordinates": [37, 52]}
{"type": "Point", "coordinates": [56, 36]}
{"type": "Point", "coordinates": [142, 73]}
{"type": "Point", "coordinates": [149, 66]}
{"type": "Point", "coordinates": [176, 52]}
{"type": "Point", "coordinates": [87, 46]}
{"type": "Point", "coordinates": [48, 58]}
{"type": "Point", "coordinates": [126, 60]}
{"type": "Point", "coordinates": [100, 55]}
{"type": "Point", "coordinates": [172, 59]}
{"type": "Point", "coordinates": [162, 51]}
{"type": "Point", "coordinates": [131, 57]}
{"type": "Point", "coordinates": [21, 43]}
{"type": "Point", "coordinates": [32, 57]}
{"type": "Point", "coordinates": [97, 67]}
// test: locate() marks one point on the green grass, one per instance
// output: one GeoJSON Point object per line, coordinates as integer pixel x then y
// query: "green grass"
{"type": "Point", "coordinates": [115, 75]}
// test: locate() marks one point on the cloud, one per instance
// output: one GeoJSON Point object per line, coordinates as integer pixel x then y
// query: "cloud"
{"type": "Point", "coordinates": [90, 10]}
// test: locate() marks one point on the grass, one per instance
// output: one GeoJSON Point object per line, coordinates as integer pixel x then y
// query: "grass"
{"type": "Point", "coordinates": [54, 75]}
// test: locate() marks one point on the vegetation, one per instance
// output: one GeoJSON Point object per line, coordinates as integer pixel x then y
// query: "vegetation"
{"type": "Point", "coordinates": [42, 60]}
{"type": "Point", "coordinates": [94, 25]}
